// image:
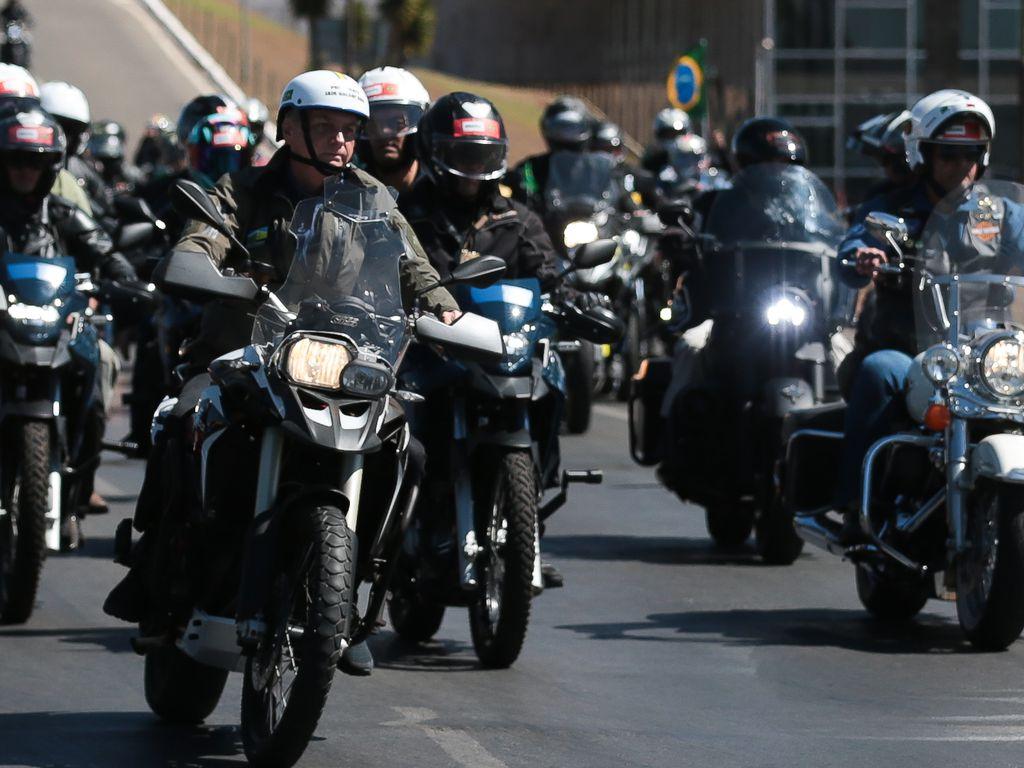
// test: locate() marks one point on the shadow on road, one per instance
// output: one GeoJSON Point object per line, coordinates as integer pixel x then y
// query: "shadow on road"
{"type": "Point", "coordinates": [392, 652]}
{"type": "Point", "coordinates": [852, 630]}
{"type": "Point", "coordinates": [114, 639]}
{"type": "Point", "coordinates": [95, 739]}
{"type": "Point", "coordinates": [659, 550]}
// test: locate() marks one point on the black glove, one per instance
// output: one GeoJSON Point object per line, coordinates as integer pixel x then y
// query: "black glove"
{"type": "Point", "coordinates": [585, 300]}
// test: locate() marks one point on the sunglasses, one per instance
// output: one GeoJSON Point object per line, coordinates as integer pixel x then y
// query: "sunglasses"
{"type": "Point", "coordinates": [25, 160]}
{"type": "Point", "coordinates": [951, 152]}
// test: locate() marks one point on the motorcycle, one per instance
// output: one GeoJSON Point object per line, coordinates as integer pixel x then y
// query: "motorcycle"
{"type": "Point", "coordinates": [498, 424]}
{"type": "Point", "coordinates": [16, 44]}
{"type": "Point", "coordinates": [50, 430]}
{"type": "Point", "coordinates": [941, 501]}
{"type": "Point", "coordinates": [260, 577]}
{"type": "Point", "coordinates": [767, 260]}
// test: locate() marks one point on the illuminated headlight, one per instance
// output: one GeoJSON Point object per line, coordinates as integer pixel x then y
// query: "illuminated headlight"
{"type": "Point", "coordinates": [940, 364]}
{"type": "Point", "coordinates": [1002, 367]}
{"type": "Point", "coordinates": [787, 310]}
{"type": "Point", "coordinates": [516, 344]}
{"type": "Point", "coordinates": [316, 363]}
{"type": "Point", "coordinates": [579, 233]}
{"type": "Point", "coordinates": [364, 379]}
{"type": "Point", "coordinates": [30, 313]}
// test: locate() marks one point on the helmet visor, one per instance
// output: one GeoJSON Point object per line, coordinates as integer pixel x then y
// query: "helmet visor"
{"type": "Point", "coordinates": [214, 162]}
{"type": "Point", "coordinates": [388, 121]}
{"type": "Point", "coordinates": [473, 160]}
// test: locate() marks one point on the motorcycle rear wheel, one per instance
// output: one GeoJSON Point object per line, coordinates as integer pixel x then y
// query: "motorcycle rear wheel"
{"type": "Point", "coordinates": [180, 689]}
{"type": "Point", "coordinates": [23, 527]}
{"type": "Point", "coordinates": [729, 524]}
{"type": "Point", "coordinates": [990, 577]}
{"type": "Point", "coordinates": [498, 618]}
{"type": "Point", "coordinates": [310, 609]}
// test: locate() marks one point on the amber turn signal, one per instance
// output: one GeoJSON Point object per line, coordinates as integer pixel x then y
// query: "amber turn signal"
{"type": "Point", "coordinates": [937, 417]}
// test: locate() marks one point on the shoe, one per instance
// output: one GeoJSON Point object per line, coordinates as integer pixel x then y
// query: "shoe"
{"type": "Point", "coordinates": [851, 533]}
{"type": "Point", "coordinates": [551, 576]}
{"type": "Point", "coordinates": [97, 504]}
{"type": "Point", "coordinates": [127, 600]}
{"type": "Point", "coordinates": [356, 660]}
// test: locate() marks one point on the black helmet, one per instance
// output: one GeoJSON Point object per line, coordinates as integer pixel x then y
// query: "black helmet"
{"type": "Point", "coordinates": [607, 138]}
{"type": "Point", "coordinates": [32, 136]}
{"type": "Point", "coordinates": [768, 140]}
{"type": "Point", "coordinates": [198, 108]}
{"type": "Point", "coordinates": [569, 129]}
{"type": "Point", "coordinates": [462, 136]}
{"type": "Point", "coordinates": [106, 141]}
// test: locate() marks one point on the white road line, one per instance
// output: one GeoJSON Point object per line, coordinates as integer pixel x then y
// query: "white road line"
{"type": "Point", "coordinates": [456, 743]}
{"type": "Point", "coordinates": [610, 410]}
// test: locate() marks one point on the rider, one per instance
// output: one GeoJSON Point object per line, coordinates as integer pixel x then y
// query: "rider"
{"type": "Point", "coordinates": [105, 149]}
{"type": "Point", "coordinates": [881, 137]}
{"type": "Point", "coordinates": [459, 212]}
{"type": "Point", "coordinates": [567, 126]}
{"type": "Point", "coordinates": [69, 107]}
{"type": "Point", "coordinates": [319, 117]}
{"type": "Point", "coordinates": [159, 151]}
{"type": "Point", "coordinates": [387, 147]}
{"type": "Point", "coordinates": [947, 147]}
{"type": "Point", "coordinates": [36, 221]}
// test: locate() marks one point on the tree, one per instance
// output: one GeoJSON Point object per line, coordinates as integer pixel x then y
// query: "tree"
{"type": "Point", "coordinates": [411, 27]}
{"type": "Point", "coordinates": [356, 31]}
{"type": "Point", "coordinates": [312, 11]}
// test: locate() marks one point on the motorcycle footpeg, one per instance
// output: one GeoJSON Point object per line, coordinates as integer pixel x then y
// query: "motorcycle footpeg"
{"type": "Point", "coordinates": [587, 476]}
{"type": "Point", "coordinates": [127, 447]}
{"type": "Point", "coordinates": [123, 543]}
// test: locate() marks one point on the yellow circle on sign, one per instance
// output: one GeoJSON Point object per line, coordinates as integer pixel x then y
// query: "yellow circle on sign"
{"type": "Point", "coordinates": [698, 81]}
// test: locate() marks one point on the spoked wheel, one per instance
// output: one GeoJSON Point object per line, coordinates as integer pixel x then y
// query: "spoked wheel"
{"type": "Point", "coordinates": [729, 524]}
{"type": "Point", "coordinates": [23, 522]}
{"type": "Point", "coordinates": [498, 618]}
{"type": "Point", "coordinates": [990, 573]}
{"type": "Point", "coordinates": [289, 676]}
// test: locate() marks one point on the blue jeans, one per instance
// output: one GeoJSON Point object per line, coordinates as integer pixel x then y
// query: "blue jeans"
{"type": "Point", "coordinates": [875, 406]}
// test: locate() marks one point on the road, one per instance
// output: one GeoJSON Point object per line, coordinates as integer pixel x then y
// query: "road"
{"type": "Point", "coordinates": [659, 651]}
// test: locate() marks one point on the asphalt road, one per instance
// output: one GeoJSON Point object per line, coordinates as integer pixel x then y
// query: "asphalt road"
{"type": "Point", "coordinates": [658, 652]}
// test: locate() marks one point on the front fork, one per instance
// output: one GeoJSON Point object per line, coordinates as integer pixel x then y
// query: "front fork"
{"type": "Point", "coordinates": [956, 466]}
{"type": "Point", "coordinates": [465, 523]}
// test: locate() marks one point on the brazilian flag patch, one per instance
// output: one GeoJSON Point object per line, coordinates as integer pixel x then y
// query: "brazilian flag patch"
{"type": "Point", "coordinates": [256, 236]}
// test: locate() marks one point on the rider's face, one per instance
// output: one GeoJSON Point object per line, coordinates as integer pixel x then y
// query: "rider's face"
{"type": "Point", "coordinates": [23, 172]}
{"type": "Point", "coordinates": [952, 168]}
{"type": "Point", "coordinates": [333, 135]}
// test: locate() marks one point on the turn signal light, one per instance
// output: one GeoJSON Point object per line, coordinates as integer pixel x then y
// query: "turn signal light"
{"type": "Point", "coordinates": [937, 417]}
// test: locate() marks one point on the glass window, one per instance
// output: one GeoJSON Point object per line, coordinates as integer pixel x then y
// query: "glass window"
{"type": "Point", "coordinates": [876, 78]}
{"type": "Point", "coordinates": [801, 77]}
{"type": "Point", "coordinates": [876, 28]}
{"type": "Point", "coordinates": [1006, 147]}
{"type": "Point", "coordinates": [804, 24]}
{"type": "Point", "coordinates": [1004, 29]}
{"type": "Point", "coordinates": [968, 23]}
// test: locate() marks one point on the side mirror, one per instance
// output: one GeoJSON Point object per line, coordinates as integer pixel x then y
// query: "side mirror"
{"type": "Point", "coordinates": [133, 210]}
{"type": "Point", "coordinates": [191, 275]}
{"type": "Point", "coordinates": [471, 336]}
{"type": "Point", "coordinates": [675, 212]}
{"type": "Point", "coordinates": [888, 228]}
{"type": "Point", "coordinates": [191, 202]}
{"type": "Point", "coordinates": [479, 272]}
{"type": "Point", "coordinates": [594, 254]}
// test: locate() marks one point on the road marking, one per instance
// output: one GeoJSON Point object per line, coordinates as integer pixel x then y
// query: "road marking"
{"type": "Point", "coordinates": [611, 411]}
{"type": "Point", "coordinates": [456, 743]}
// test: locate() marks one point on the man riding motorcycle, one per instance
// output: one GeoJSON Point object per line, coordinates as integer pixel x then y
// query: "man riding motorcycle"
{"type": "Point", "coordinates": [947, 147]}
{"type": "Point", "coordinates": [69, 107]}
{"type": "Point", "coordinates": [319, 117]}
{"type": "Point", "coordinates": [457, 209]}
{"type": "Point", "coordinates": [387, 147]}
{"type": "Point", "coordinates": [881, 137]}
{"type": "Point", "coordinates": [106, 150]}
{"type": "Point", "coordinates": [35, 221]}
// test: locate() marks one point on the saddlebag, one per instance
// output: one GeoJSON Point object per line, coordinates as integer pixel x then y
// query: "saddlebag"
{"type": "Point", "coordinates": [813, 437]}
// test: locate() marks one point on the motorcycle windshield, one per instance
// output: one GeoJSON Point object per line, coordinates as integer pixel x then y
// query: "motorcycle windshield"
{"type": "Point", "coordinates": [345, 274]}
{"type": "Point", "coordinates": [35, 280]}
{"type": "Point", "coordinates": [582, 180]}
{"type": "Point", "coordinates": [968, 269]}
{"type": "Point", "coordinates": [777, 227]}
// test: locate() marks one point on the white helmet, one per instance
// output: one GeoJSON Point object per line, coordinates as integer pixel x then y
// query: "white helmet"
{"type": "Point", "coordinates": [949, 116]}
{"type": "Point", "coordinates": [397, 101]}
{"type": "Point", "coordinates": [323, 89]}
{"type": "Point", "coordinates": [670, 123]}
{"type": "Point", "coordinates": [65, 102]}
{"type": "Point", "coordinates": [17, 82]}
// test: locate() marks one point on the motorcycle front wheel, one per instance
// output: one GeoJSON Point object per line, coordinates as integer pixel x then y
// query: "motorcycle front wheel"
{"type": "Point", "coordinates": [499, 616]}
{"type": "Point", "coordinates": [288, 677]}
{"type": "Point", "coordinates": [990, 573]}
{"type": "Point", "coordinates": [180, 689]}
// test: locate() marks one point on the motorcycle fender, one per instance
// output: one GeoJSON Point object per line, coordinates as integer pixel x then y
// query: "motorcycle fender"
{"type": "Point", "coordinates": [998, 457]}
{"type": "Point", "coordinates": [29, 409]}
{"type": "Point", "coordinates": [782, 396]}
{"type": "Point", "coordinates": [517, 387]}
{"type": "Point", "coordinates": [517, 437]}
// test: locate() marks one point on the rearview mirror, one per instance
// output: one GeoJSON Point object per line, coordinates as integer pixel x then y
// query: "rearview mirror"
{"type": "Point", "coordinates": [593, 254]}
{"type": "Point", "coordinates": [479, 272]}
{"type": "Point", "coordinates": [191, 275]}
{"type": "Point", "coordinates": [887, 228]}
{"type": "Point", "coordinates": [191, 202]}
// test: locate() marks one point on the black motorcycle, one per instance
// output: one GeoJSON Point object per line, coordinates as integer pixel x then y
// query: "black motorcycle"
{"type": "Point", "coordinates": [765, 286]}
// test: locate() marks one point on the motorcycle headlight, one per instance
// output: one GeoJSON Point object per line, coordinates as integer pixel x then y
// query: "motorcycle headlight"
{"type": "Point", "coordinates": [33, 315]}
{"type": "Point", "coordinates": [788, 310]}
{"type": "Point", "coordinates": [1002, 367]}
{"type": "Point", "coordinates": [364, 379]}
{"type": "Point", "coordinates": [940, 364]}
{"type": "Point", "coordinates": [579, 233]}
{"type": "Point", "coordinates": [317, 363]}
{"type": "Point", "coordinates": [516, 344]}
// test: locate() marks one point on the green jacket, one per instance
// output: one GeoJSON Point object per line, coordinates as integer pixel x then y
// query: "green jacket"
{"type": "Point", "coordinates": [256, 207]}
{"type": "Point", "coordinates": [67, 186]}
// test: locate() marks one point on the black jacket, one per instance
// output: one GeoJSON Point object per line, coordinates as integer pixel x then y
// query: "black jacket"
{"type": "Point", "coordinates": [60, 228]}
{"type": "Point", "coordinates": [500, 227]}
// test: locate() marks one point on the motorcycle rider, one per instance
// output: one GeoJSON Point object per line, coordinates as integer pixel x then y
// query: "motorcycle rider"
{"type": "Point", "coordinates": [458, 211]}
{"type": "Point", "coordinates": [159, 150]}
{"type": "Point", "coordinates": [69, 106]}
{"type": "Point", "coordinates": [36, 221]}
{"type": "Point", "coordinates": [106, 150]}
{"type": "Point", "coordinates": [881, 137]}
{"type": "Point", "coordinates": [387, 147]}
{"type": "Point", "coordinates": [947, 147]}
{"type": "Point", "coordinates": [319, 117]}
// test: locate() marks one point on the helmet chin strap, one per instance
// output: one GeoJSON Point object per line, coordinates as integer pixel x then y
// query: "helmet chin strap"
{"type": "Point", "coordinates": [325, 169]}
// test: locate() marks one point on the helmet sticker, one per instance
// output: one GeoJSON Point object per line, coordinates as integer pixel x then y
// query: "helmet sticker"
{"type": "Point", "coordinates": [477, 108]}
{"type": "Point", "coordinates": [228, 136]}
{"type": "Point", "coordinates": [376, 90]}
{"type": "Point", "coordinates": [467, 126]}
{"type": "Point", "coordinates": [967, 130]}
{"type": "Point", "coordinates": [31, 134]}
